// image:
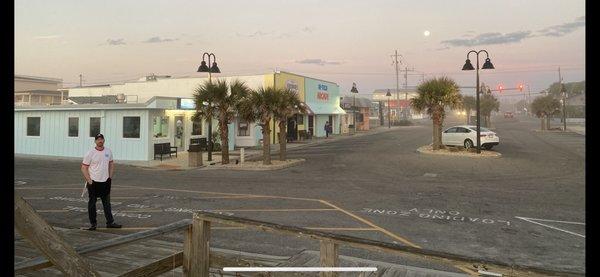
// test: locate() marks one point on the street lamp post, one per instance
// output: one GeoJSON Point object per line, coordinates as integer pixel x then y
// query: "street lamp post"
{"type": "Point", "coordinates": [468, 66]}
{"type": "Point", "coordinates": [354, 92]}
{"type": "Point", "coordinates": [213, 69]}
{"type": "Point", "coordinates": [388, 94]}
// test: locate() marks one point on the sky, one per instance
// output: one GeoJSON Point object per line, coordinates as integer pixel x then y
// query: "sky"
{"type": "Point", "coordinates": [340, 41]}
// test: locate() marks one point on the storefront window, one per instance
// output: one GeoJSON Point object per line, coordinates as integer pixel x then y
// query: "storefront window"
{"type": "Point", "coordinates": [300, 119]}
{"type": "Point", "coordinates": [359, 117]}
{"type": "Point", "coordinates": [196, 128]}
{"type": "Point", "coordinates": [243, 129]}
{"type": "Point", "coordinates": [94, 126]}
{"type": "Point", "coordinates": [131, 127]}
{"type": "Point", "coordinates": [160, 127]}
{"type": "Point", "coordinates": [73, 126]}
{"type": "Point", "coordinates": [33, 126]}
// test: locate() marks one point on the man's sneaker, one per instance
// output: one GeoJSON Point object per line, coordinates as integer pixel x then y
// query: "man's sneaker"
{"type": "Point", "coordinates": [91, 228]}
{"type": "Point", "coordinates": [113, 225]}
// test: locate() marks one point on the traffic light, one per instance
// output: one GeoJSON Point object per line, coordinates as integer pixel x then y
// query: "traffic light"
{"type": "Point", "coordinates": [521, 87]}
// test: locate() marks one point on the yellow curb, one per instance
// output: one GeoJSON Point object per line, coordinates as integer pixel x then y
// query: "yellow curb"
{"type": "Point", "coordinates": [484, 153]}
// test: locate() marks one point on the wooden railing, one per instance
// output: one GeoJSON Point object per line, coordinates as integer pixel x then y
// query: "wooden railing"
{"type": "Point", "coordinates": [197, 258]}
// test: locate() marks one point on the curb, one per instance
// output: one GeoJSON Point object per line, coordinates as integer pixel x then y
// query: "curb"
{"type": "Point", "coordinates": [423, 150]}
{"type": "Point", "coordinates": [256, 168]}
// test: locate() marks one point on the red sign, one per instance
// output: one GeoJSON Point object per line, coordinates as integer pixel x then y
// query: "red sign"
{"type": "Point", "coordinates": [323, 96]}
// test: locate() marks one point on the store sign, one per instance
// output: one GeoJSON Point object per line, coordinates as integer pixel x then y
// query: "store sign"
{"type": "Point", "coordinates": [292, 85]}
{"type": "Point", "coordinates": [322, 87]}
{"type": "Point", "coordinates": [323, 96]}
{"type": "Point", "coordinates": [186, 104]}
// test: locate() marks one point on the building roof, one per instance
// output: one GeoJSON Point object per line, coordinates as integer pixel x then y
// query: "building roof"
{"type": "Point", "coordinates": [150, 104]}
{"type": "Point", "coordinates": [38, 79]}
{"type": "Point", "coordinates": [105, 99]}
{"type": "Point", "coordinates": [40, 91]}
{"type": "Point", "coordinates": [361, 102]}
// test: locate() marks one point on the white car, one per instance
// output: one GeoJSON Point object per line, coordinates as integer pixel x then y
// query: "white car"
{"type": "Point", "coordinates": [466, 135]}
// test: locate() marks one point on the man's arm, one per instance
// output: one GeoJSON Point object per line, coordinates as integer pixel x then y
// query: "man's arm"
{"type": "Point", "coordinates": [86, 173]}
{"type": "Point", "coordinates": [111, 169]}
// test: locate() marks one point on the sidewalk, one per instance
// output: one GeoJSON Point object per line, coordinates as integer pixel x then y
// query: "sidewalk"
{"type": "Point", "coordinates": [251, 153]}
{"type": "Point", "coordinates": [579, 129]}
{"type": "Point", "coordinates": [256, 152]}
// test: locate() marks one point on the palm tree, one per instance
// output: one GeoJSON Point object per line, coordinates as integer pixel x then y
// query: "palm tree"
{"type": "Point", "coordinates": [469, 103]}
{"type": "Point", "coordinates": [488, 103]}
{"type": "Point", "coordinates": [288, 104]}
{"type": "Point", "coordinates": [434, 96]}
{"type": "Point", "coordinates": [543, 107]}
{"type": "Point", "coordinates": [259, 107]}
{"type": "Point", "coordinates": [220, 100]}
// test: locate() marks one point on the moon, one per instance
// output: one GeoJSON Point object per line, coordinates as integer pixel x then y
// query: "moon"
{"type": "Point", "coordinates": [426, 33]}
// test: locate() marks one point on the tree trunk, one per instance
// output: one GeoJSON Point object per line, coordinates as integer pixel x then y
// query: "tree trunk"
{"type": "Point", "coordinates": [543, 123]}
{"type": "Point", "coordinates": [282, 139]}
{"type": "Point", "coordinates": [547, 122]}
{"type": "Point", "coordinates": [437, 133]}
{"type": "Point", "coordinates": [224, 132]}
{"type": "Point", "coordinates": [266, 132]}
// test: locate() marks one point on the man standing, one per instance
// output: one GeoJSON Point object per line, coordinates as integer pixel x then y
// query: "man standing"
{"type": "Point", "coordinates": [326, 129]}
{"type": "Point", "coordinates": [97, 169]}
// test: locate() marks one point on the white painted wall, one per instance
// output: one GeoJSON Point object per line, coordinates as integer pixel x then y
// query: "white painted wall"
{"type": "Point", "coordinates": [54, 139]}
{"type": "Point", "coordinates": [175, 87]}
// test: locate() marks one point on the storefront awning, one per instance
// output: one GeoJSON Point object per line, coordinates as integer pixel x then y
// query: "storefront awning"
{"type": "Point", "coordinates": [325, 109]}
{"type": "Point", "coordinates": [339, 110]}
{"type": "Point", "coordinates": [309, 111]}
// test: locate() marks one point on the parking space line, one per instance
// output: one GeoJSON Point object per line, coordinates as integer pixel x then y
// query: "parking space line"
{"type": "Point", "coordinates": [405, 241]}
{"type": "Point", "coordinates": [552, 227]}
{"type": "Point", "coordinates": [275, 210]}
{"type": "Point", "coordinates": [340, 229]}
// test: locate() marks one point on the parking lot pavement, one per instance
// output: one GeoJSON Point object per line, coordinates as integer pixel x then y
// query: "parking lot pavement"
{"type": "Point", "coordinates": [526, 208]}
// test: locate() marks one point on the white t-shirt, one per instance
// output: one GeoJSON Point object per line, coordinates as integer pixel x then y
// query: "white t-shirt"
{"type": "Point", "coordinates": [98, 162]}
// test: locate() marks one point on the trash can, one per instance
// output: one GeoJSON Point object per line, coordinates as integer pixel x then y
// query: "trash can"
{"type": "Point", "coordinates": [194, 155]}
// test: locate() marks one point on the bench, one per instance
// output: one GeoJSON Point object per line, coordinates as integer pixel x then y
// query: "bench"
{"type": "Point", "coordinates": [161, 149]}
{"type": "Point", "coordinates": [201, 141]}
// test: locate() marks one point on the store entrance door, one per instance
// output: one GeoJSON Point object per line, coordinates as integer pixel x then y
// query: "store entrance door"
{"type": "Point", "coordinates": [311, 125]}
{"type": "Point", "coordinates": [292, 129]}
{"type": "Point", "coordinates": [179, 131]}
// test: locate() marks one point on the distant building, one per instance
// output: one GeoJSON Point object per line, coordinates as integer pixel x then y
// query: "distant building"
{"type": "Point", "coordinates": [362, 107]}
{"type": "Point", "coordinates": [32, 90]}
{"type": "Point", "coordinates": [397, 107]}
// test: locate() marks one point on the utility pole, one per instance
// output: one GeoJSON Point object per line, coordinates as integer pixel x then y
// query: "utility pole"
{"type": "Point", "coordinates": [563, 92]}
{"type": "Point", "coordinates": [406, 89]}
{"type": "Point", "coordinates": [395, 56]}
{"type": "Point", "coordinates": [80, 80]}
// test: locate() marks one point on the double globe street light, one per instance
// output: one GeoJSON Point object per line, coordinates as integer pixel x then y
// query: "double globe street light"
{"type": "Point", "coordinates": [468, 66]}
{"type": "Point", "coordinates": [213, 69]}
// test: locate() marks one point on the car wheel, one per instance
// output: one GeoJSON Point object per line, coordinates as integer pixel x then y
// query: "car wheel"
{"type": "Point", "coordinates": [468, 144]}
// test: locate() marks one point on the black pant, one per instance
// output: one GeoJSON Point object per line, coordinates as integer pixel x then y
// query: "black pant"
{"type": "Point", "coordinates": [102, 190]}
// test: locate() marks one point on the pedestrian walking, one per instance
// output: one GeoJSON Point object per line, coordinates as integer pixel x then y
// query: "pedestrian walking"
{"type": "Point", "coordinates": [97, 168]}
{"type": "Point", "coordinates": [326, 129]}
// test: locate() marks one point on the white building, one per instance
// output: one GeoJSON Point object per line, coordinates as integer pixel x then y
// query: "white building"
{"type": "Point", "coordinates": [130, 130]}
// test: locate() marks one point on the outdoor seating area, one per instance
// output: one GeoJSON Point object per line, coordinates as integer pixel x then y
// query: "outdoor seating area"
{"type": "Point", "coordinates": [161, 149]}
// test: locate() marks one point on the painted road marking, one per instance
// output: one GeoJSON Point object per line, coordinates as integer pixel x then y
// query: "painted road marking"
{"type": "Point", "coordinates": [380, 229]}
{"type": "Point", "coordinates": [405, 241]}
{"type": "Point", "coordinates": [533, 220]}
{"type": "Point", "coordinates": [388, 233]}
{"type": "Point", "coordinates": [433, 214]}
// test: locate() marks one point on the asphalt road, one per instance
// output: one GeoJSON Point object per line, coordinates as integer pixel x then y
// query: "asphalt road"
{"type": "Point", "coordinates": [526, 208]}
